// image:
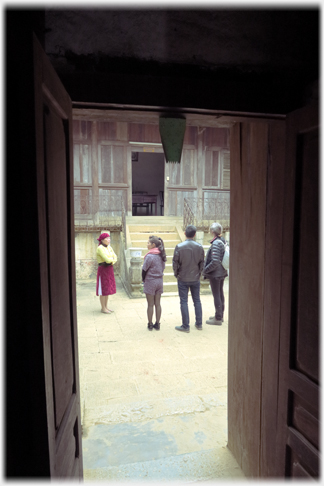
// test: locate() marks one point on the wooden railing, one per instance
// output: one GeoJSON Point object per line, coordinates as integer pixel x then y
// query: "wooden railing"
{"type": "Point", "coordinates": [202, 212]}
{"type": "Point", "coordinates": [94, 213]}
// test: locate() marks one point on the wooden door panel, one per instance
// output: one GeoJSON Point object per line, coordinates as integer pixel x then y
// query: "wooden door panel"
{"type": "Point", "coordinates": [60, 304]}
{"type": "Point", "coordinates": [249, 154]}
{"type": "Point", "coordinates": [53, 113]}
{"type": "Point", "coordinates": [182, 182]}
{"type": "Point", "coordinates": [305, 285]}
{"type": "Point", "coordinates": [298, 404]}
{"type": "Point", "coordinates": [188, 167]}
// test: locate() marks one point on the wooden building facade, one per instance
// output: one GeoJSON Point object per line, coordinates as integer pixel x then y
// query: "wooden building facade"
{"type": "Point", "coordinates": [103, 166]}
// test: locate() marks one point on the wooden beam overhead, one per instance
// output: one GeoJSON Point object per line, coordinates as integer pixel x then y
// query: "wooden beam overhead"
{"type": "Point", "coordinates": [151, 115]}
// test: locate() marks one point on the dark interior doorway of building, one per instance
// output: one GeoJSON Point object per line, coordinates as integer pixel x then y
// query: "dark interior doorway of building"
{"type": "Point", "coordinates": [147, 180]}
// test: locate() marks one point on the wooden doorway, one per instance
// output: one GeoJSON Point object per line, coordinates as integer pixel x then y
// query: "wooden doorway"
{"type": "Point", "coordinates": [148, 167]}
{"type": "Point", "coordinates": [273, 382]}
{"type": "Point", "coordinates": [256, 329]}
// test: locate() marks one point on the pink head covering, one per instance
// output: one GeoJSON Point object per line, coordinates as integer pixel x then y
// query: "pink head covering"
{"type": "Point", "coordinates": [102, 237]}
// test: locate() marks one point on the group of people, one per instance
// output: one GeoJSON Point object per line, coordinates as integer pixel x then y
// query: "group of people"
{"type": "Point", "coordinates": [188, 263]}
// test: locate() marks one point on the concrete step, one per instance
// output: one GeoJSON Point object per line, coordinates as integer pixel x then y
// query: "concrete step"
{"type": "Point", "coordinates": [168, 251]}
{"type": "Point", "coordinates": [154, 219]}
{"type": "Point", "coordinates": [143, 243]}
{"type": "Point", "coordinates": [152, 228]}
{"type": "Point", "coordinates": [169, 277]}
{"type": "Point", "coordinates": [169, 294]}
{"type": "Point", "coordinates": [172, 235]}
{"type": "Point", "coordinates": [170, 287]}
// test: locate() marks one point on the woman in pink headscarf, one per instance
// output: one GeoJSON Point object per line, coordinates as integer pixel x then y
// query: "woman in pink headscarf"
{"type": "Point", "coordinates": [152, 276]}
{"type": "Point", "coordinates": [106, 284]}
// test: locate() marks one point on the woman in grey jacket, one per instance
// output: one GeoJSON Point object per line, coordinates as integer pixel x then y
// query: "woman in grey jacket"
{"type": "Point", "coordinates": [216, 273]}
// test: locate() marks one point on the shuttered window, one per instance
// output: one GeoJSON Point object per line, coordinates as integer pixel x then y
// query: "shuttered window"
{"type": "Point", "coordinates": [82, 163]}
{"type": "Point", "coordinates": [112, 164]}
{"type": "Point", "coordinates": [226, 170]}
{"type": "Point", "coordinates": [212, 172]}
{"type": "Point", "coordinates": [184, 173]}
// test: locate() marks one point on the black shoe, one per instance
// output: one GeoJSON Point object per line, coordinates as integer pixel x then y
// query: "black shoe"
{"type": "Point", "coordinates": [198, 327]}
{"type": "Point", "coordinates": [157, 326]}
{"type": "Point", "coordinates": [183, 329]}
{"type": "Point", "coordinates": [214, 322]}
{"type": "Point", "coordinates": [150, 326]}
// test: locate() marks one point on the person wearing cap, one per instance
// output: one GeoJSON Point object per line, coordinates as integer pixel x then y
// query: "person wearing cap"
{"type": "Point", "coordinates": [106, 284]}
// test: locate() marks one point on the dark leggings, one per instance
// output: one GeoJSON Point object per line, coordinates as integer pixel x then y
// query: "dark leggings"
{"type": "Point", "coordinates": [217, 285]}
{"type": "Point", "coordinates": [153, 300]}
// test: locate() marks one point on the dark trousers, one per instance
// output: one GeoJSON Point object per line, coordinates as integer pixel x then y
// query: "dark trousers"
{"type": "Point", "coordinates": [183, 288]}
{"type": "Point", "coordinates": [217, 287]}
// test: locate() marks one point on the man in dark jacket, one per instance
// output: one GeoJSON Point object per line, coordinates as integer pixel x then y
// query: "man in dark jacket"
{"type": "Point", "coordinates": [216, 273]}
{"type": "Point", "coordinates": [188, 263]}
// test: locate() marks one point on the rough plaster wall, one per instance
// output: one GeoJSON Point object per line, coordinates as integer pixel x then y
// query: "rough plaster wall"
{"type": "Point", "coordinates": [85, 253]}
{"type": "Point", "coordinates": [254, 39]}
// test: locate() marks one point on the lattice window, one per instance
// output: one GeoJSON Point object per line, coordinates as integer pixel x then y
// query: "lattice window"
{"type": "Point", "coordinates": [212, 169]}
{"type": "Point", "coordinates": [82, 201]}
{"type": "Point", "coordinates": [226, 170]}
{"type": "Point", "coordinates": [82, 163]}
{"type": "Point", "coordinates": [112, 163]}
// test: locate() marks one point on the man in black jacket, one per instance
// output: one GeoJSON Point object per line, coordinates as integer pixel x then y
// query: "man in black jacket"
{"type": "Point", "coordinates": [216, 273]}
{"type": "Point", "coordinates": [188, 263]}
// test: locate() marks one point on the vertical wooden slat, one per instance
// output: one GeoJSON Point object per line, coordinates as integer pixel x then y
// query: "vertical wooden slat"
{"type": "Point", "coordinates": [190, 137]}
{"type": "Point", "coordinates": [249, 150]}
{"type": "Point", "coordinates": [118, 163]}
{"type": "Point", "coordinates": [215, 168]}
{"type": "Point", "coordinates": [299, 266]}
{"type": "Point", "coordinates": [199, 163]}
{"type": "Point", "coordinates": [225, 183]}
{"type": "Point", "coordinates": [207, 171]}
{"type": "Point", "coordinates": [94, 152]}
{"type": "Point", "coordinates": [166, 188]}
{"type": "Point", "coordinates": [128, 205]}
{"type": "Point", "coordinates": [122, 131]}
{"type": "Point", "coordinates": [53, 120]}
{"type": "Point", "coordinates": [272, 297]}
{"type": "Point", "coordinates": [187, 168]}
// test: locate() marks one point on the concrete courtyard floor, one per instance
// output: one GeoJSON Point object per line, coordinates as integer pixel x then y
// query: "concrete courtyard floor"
{"type": "Point", "coordinates": [154, 403]}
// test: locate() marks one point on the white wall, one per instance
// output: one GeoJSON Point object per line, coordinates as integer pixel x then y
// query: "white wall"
{"type": "Point", "coordinates": [85, 253]}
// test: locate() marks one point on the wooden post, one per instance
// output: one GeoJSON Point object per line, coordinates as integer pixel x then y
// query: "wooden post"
{"type": "Point", "coordinates": [129, 208]}
{"type": "Point", "coordinates": [94, 156]}
{"type": "Point", "coordinates": [200, 163]}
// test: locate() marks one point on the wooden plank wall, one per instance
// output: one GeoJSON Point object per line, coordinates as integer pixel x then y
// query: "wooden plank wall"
{"type": "Point", "coordinates": [249, 143]}
{"type": "Point", "coordinates": [257, 190]}
{"type": "Point", "coordinates": [102, 161]}
{"type": "Point", "coordinates": [272, 297]}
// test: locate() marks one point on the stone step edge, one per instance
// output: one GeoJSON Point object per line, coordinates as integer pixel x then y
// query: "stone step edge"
{"type": "Point", "coordinates": [128, 411]}
{"type": "Point", "coordinates": [143, 232]}
{"type": "Point", "coordinates": [189, 467]}
{"type": "Point", "coordinates": [165, 241]}
{"type": "Point", "coordinates": [175, 238]}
